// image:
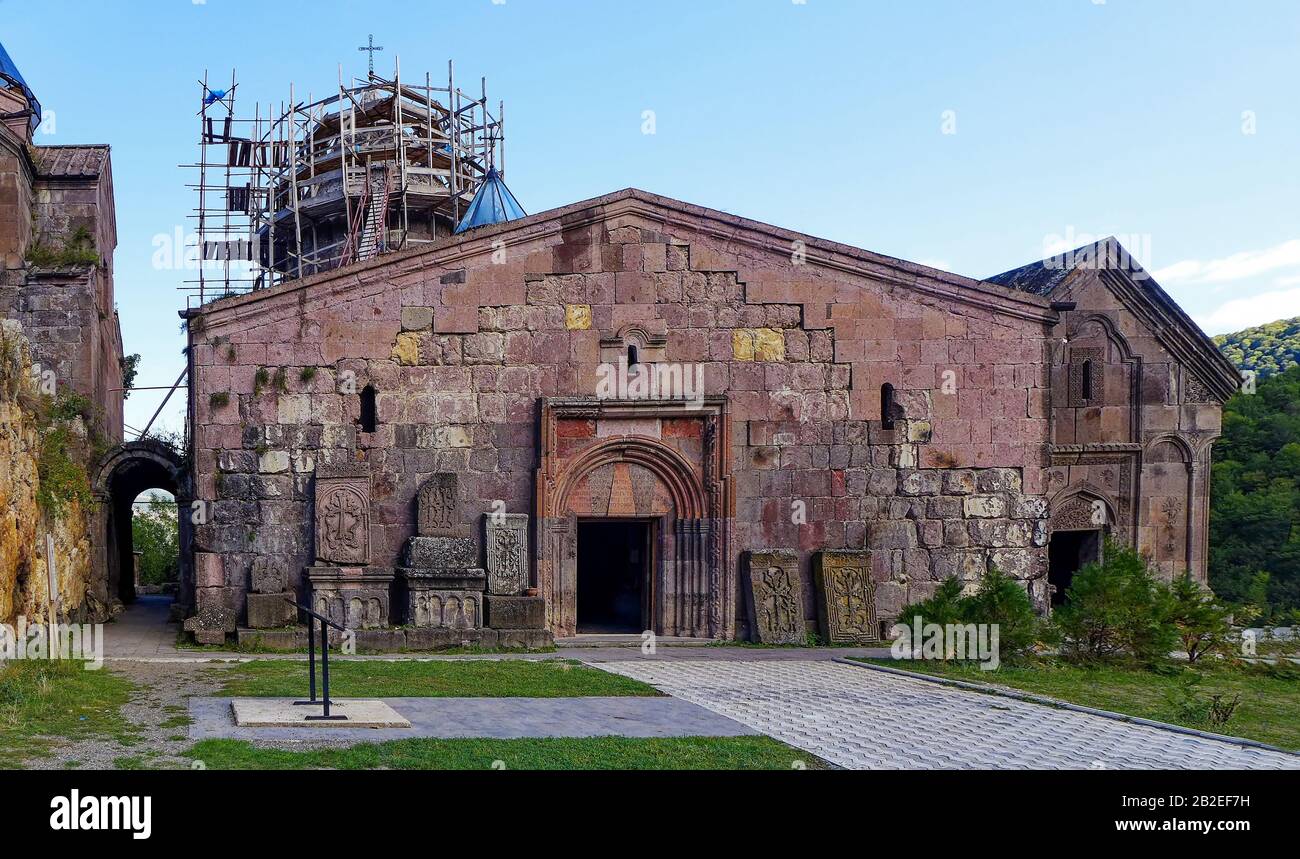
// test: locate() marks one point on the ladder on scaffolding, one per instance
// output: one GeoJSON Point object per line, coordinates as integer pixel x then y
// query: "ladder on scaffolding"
{"type": "Point", "coordinates": [368, 232]}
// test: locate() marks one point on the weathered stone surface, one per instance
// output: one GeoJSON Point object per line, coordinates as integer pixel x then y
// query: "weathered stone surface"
{"type": "Point", "coordinates": [441, 553]}
{"type": "Point", "coordinates": [515, 612]}
{"type": "Point", "coordinates": [506, 545]}
{"type": "Point", "coordinates": [343, 516]}
{"type": "Point", "coordinates": [776, 598]}
{"type": "Point", "coordinates": [985, 507]}
{"type": "Point", "coordinates": [442, 609]}
{"type": "Point", "coordinates": [270, 611]}
{"type": "Point", "coordinates": [436, 506]}
{"type": "Point", "coordinates": [355, 598]}
{"type": "Point", "coordinates": [846, 597]}
{"type": "Point", "coordinates": [270, 575]}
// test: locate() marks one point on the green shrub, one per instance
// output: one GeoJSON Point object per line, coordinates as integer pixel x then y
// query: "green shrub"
{"type": "Point", "coordinates": [1000, 601]}
{"type": "Point", "coordinates": [1116, 609]}
{"type": "Point", "coordinates": [219, 400]}
{"type": "Point", "coordinates": [1199, 618]}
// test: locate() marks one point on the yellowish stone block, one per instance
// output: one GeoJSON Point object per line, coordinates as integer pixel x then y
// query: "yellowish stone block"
{"type": "Point", "coordinates": [407, 349]}
{"type": "Point", "coordinates": [577, 317]}
{"type": "Point", "coordinates": [742, 344]}
{"type": "Point", "coordinates": [769, 344]}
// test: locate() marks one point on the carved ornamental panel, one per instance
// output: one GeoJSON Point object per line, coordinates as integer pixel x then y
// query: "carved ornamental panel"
{"type": "Point", "coordinates": [847, 595]}
{"type": "Point", "coordinates": [343, 517]}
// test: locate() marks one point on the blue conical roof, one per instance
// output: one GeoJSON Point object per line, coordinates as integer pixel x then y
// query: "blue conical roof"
{"type": "Point", "coordinates": [493, 204]}
{"type": "Point", "coordinates": [9, 72]}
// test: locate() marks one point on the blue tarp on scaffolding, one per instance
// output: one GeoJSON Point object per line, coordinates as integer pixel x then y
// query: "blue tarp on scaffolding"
{"type": "Point", "coordinates": [493, 204]}
{"type": "Point", "coordinates": [9, 73]}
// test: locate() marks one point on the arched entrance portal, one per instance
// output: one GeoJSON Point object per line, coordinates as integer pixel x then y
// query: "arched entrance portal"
{"type": "Point", "coordinates": [123, 474]}
{"type": "Point", "coordinates": [633, 513]}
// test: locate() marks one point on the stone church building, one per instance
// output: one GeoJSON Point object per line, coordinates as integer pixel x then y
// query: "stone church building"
{"type": "Point", "coordinates": [633, 413]}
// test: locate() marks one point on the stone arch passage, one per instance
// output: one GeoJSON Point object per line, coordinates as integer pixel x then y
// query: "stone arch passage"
{"type": "Point", "coordinates": [124, 472]}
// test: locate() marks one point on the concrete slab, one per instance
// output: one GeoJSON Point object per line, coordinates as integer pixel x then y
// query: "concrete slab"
{"type": "Point", "coordinates": [283, 713]}
{"type": "Point", "coordinates": [486, 718]}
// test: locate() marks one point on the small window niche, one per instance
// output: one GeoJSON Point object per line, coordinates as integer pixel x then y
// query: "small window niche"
{"type": "Point", "coordinates": [888, 406]}
{"type": "Point", "coordinates": [369, 409]}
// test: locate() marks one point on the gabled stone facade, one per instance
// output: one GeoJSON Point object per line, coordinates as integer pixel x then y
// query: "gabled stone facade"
{"type": "Point", "coordinates": [824, 399]}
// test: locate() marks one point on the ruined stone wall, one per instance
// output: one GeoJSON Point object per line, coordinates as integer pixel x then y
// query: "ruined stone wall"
{"type": "Point", "coordinates": [24, 583]}
{"type": "Point", "coordinates": [460, 344]}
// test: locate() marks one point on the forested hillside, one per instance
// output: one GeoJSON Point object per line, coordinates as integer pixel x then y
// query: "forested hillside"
{"type": "Point", "coordinates": [1267, 349]}
{"type": "Point", "coordinates": [1255, 515]}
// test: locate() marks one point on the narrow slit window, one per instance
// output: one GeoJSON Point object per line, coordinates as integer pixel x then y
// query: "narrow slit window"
{"type": "Point", "coordinates": [369, 411]}
{"type": "Point", "coordinates": [1085, 380]}
{"type": "Point", "coordinates": [632, 357]}
{"type": "Point", "coordinates": [887, 406]}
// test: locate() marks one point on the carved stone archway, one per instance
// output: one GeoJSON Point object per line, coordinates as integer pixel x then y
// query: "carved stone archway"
{"type": "Point", "coordinates": [124, 472]}
{"type": "Point", "coordinates": [672, 460]}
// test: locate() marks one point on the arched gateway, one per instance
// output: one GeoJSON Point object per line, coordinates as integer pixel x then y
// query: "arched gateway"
{"type": "Point", "coordinates": [124, 472]}
{"type": "Point", "coordinates": [633, 512]}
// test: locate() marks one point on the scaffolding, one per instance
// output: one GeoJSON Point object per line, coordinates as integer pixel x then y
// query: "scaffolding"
{"type": "Point", "coordinates": [379, 166]}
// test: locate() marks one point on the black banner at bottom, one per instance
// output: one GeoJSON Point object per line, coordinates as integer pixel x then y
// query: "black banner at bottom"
{"type": "Point", "coordinates": [331, 808]}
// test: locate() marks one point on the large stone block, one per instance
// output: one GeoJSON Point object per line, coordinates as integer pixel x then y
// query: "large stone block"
{"type": "Point", "coordinates": [776, 598]}
{"type": "Point", "coordinates": [846, 597]}
{"type": "Point", "coordinates": [441, 553]}
{"type": "Point", "coordinates": [506, 543]}
{"type": "Point", "coordinates": [515, 612]}
{"type": "Point", "coordinates": [271, 611]}
{"type": "Point", "coordinates": [355, 598]}
{"type": "Point", "coordinates": [443, 609]}
{"type": "Point", "coordinates": [209, 571]}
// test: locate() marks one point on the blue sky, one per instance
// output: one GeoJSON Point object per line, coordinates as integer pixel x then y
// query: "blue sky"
{"type": "Point", "coordinates": [1173, 124]}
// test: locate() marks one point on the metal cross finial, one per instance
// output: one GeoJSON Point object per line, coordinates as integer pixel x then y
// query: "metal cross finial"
{"type": "Point", "coordinates": [370, 47]}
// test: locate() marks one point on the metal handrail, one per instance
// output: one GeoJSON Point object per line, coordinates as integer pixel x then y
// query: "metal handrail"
{"type": "Point", "coordinates": [325, 663]}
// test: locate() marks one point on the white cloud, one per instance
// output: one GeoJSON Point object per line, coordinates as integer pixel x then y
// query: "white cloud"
{"type": "Point", "coordinates": [1242, 313]}
{"type": "Point", "coordinates": [1239, 266]}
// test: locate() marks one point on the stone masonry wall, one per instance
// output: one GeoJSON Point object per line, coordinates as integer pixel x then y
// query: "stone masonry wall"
{"type": "Point", "coordinates": [460, 343]}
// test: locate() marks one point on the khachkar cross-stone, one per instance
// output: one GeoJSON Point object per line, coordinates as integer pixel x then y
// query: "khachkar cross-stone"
{"type": "Point", "coordinates": [847, 596]}
{"type": "Point", "coordinates": [370, 47]}
{"type": "Point", "coordinates": [506, 540]}
{"type": "Point", "coordinates": [775, 598]}
{"type": "Point", "coordinates": [342, 516]}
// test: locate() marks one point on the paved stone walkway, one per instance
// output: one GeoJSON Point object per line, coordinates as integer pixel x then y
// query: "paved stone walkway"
{"type": "Point", "coordinates": [142, 630]}
{"type": "Point", "coordinates": [863, 719]}
{"type": "Point", "coordinates": [493, 718]}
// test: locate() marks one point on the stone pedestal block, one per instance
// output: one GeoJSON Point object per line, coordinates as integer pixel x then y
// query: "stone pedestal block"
{"type": "Point", "coordinates": [776, 598]}
{"type": "Point", "coordinates": [354, 597]}
{"type": "Point", "coordinates": [271, 611]}
{"type": "Point", "coordinates": [451, 600]}
{"type": "Point", "coordinates": [441, 553]}
{"type": "Point", "coordinates": [511, 612]}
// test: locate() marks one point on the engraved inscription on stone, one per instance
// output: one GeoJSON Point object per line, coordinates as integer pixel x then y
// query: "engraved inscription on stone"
{"type": "Point", "coordinates": [776, 603]}
{"type": "Point", "coordinates": [343, 520]}
{"type": "Point", "coordinates": [506, 540]}
{"type": "Point", "coordinates": [436, 506]}
{"type": "Point", "coordinates": [847, 597]}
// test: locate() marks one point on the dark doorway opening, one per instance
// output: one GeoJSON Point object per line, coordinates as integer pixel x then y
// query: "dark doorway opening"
{"type": "Point", "coordinates": [1069, 552]}
{"type": "Point", "coordinates": [613, 576]}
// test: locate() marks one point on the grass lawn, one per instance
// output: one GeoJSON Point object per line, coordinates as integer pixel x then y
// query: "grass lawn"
{"type": "Point", "coordinates": [589, 753]}
{"type": "Point", "coordinates": [1269, 710]}
{"type": "Point", "coordinates": [485, 678]}
{"type": "Point", "coordinates": [43, 702]}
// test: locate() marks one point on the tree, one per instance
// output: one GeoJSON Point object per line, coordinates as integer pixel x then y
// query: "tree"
{"type": "Point", "coordinates": [1116, 608]}
{"type": "Point", "coordinates": [154, 533]}
{"type": "Point", "coordinates": [1201, 620]}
